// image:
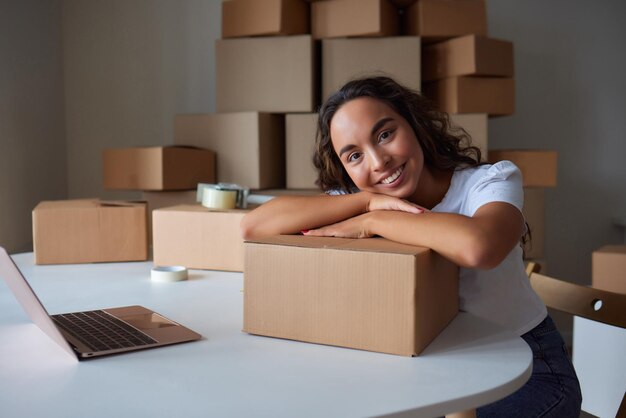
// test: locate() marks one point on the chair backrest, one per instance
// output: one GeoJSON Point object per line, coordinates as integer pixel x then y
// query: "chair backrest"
{"type": "Point", "coordinates": [587, 302]}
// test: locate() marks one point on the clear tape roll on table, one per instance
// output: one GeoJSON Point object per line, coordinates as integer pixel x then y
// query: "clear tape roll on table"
{"type": "Point", "coordinates": [219, 199]}
{"type": "Point", "coordinates": [168, 274]}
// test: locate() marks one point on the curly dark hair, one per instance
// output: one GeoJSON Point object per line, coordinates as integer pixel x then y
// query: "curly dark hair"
{"type": "Point", "coordinates": [445, 147]}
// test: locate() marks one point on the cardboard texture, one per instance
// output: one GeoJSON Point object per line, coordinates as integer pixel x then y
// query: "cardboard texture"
{"type": "Point", "coordinates": [608, 268]}
{"type": "Point", "coordinates": [299, 148]}
{"type": "Point", "coordinates": [476, 125]}
{"type": "Point", "coordinates": [265, 17]}
{"type": "Point", "coordinates": [494, 96]}
{"type": "Point", "coordinates": [250, 145]}
{"type": "Point", "coordinates": [163, 199]}
{"type": "Point", "coordinates": [196, 237]}
{"type": "Point", "coordinates": [370, 294]}
{"type": "Point", "coordinates": [538, 167]}
{"type": "Point", "coordinates": [341, 18]}
{"type": "Point", "coordinates": [437, 19]}
{"type": "Point", "coordinates": [467, 55]}
{"type": "Point", "coordinates": [89, 231]}
{"type": "Point", "coordinates": [347, 59]}
{"type": "Point", "coordinates": [534, 215]}
{"type": "Point", "coordinates": [157, 168]}
{"type": "Point", "coordinates": [268, 74]}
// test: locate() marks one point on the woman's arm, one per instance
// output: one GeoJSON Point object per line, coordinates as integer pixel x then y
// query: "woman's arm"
{"type": "Point", "coordinates": [481, 241]}
{"type": "Point", "coordinates": [292, 214]}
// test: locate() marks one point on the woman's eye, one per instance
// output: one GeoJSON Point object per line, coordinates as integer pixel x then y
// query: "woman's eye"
{"type": "Point", "coordinates": [354, 156]}
{"type": "Point", "coordinates": [384, 135]}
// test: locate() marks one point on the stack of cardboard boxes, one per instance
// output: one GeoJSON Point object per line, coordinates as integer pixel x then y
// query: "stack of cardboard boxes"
{"type": "Point", "coordinates": [90, 230]}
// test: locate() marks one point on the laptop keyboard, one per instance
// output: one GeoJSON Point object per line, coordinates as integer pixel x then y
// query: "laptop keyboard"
{"type": "Point", "coordinates": [101, 331]}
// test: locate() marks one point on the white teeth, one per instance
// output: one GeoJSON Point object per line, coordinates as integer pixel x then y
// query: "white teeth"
{"type": "Point", "coordinates": [393, 177]}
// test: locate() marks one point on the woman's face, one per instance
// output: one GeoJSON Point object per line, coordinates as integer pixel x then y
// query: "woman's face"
{"type": "Point", "coordinates": [377, 147]}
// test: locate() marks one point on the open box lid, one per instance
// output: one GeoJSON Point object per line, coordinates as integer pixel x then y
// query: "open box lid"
{"type": "Point", "coordinates": [381, 245]}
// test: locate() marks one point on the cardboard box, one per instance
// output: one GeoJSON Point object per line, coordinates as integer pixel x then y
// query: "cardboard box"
{"type": "Point", "coordinates": [494, 96]}
{"type": "Point", "coordinates": [346, 59]}
{"type": "Point", "coordinates": [196, 237]}
{"type": "Point", "coordinates": [89, 231]}
{"type": "Point", "coordinates": [534, 214]}
{"type": "Point", "coordinates": [157, 168]}
{"type": "Point", "coordinates": [265, 17]}
{"type": "Point", "coordinates": [437, 19]}
{"type": "Point", "coordinates": [476, 125]}
{"type": "Point", "coordinates": [299, 148]}
{"type": "Point", "coordinates": [370, 294]}
{"type": "Point", "coordinates": [163, 199]}
{"type": "Point", "coordinates": [339, 18]}
{"type": "Point", "coordinates": [538, 167]}
{"type": "Point", "coordinates": [608, 268]}
{"type": "Point", "coordinates": [268, 74]}
{"type": "Point", "coordinates": [467, 55]}
{"type": "Point", "coordinates": [250, 145]}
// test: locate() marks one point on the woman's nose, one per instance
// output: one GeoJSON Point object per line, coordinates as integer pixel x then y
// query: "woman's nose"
{"type": "Point", "coordinates": [378, 160]}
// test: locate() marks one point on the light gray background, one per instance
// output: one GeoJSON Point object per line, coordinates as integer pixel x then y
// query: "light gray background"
{"type": "Point", "coordinates": [78, 76]}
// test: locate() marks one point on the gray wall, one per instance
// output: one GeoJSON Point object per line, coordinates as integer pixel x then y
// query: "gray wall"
{"type": "Point", "coordinates": [32, 129]}
{"type": "Point", "coordinates": [130, 66]}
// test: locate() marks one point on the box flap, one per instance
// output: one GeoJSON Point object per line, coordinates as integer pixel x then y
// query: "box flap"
{"type": "Point", "coordinates": [66, 204]}
{"type": "Point", "coordinates": [119, 203]}
{"type": "Point", "coordinates": [612, 249]}
{"type": "Point", "coordinates": [197, 208]}
{"type": "Point", "coordinates": [85, 204]}
{"type": "Point", "coordinates": [365, 244]}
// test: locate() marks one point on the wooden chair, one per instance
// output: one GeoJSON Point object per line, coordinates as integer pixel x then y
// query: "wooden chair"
{"type": "Point", "coordinates": [587, 302]}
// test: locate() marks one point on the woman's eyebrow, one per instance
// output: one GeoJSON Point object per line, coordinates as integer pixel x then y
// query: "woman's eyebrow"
{"type": "Point", "coordinates": [346, 149]}
{"type": "Point", "coordinates": [380, 124]}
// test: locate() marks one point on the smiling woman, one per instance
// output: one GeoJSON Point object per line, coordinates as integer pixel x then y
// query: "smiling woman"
{"type": "Point", "coordinates": [391, 166]}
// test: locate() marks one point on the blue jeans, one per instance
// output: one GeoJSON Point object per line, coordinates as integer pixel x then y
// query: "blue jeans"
{"type": "Point", "coordinates": [552, 390]}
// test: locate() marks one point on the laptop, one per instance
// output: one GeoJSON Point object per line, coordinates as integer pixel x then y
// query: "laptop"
{"type": "Point", "coordinates": [99, 332]}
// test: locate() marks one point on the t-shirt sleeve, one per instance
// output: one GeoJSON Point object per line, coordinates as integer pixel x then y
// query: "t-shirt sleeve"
{"type": "Point", "coordinates": [502, 182]}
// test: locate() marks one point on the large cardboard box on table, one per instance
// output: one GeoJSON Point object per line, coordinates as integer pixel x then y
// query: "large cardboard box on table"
{"type": "Point", "coordinates": [467, 55]}
{"type": "Point", "coordinates": [608, 266]}
{"type": "Point", "coordinates": [250, 145]}
{"type": "Point", "coordinates": [534, 215]}
{"type": "Point", "coordinates": [347, 59]}
{"type": "Point", "coordinates": [89, 231]}
{"type": "Point", "coordinates": [476, 125]}
{"type": "Point", "coordinates": [196, 237]}
{"type": "Point", "coordinates": [492, 95]}
{"type": "Point", "coordinates": [157, 168]}
{"type": "Point", "coordinates": [437, 19]}
{"type": "Point", "coordinates": [299, 147]}
{"type": "Point", "coordinates": [538, 167]}
{"type": "Point", "coordinates": [370, 294]}
{"type": "Point", "coordinates": [265, 17]}
{"type": "Point", "coordinates": [341, 18]}
{"type": "Point", "coordinates": [266, 74]}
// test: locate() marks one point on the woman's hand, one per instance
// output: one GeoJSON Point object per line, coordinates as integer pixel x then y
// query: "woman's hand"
{"type": "Point", "coordinates": [356, 227]}
{"type": "Point", "coordinates": [384, 202]}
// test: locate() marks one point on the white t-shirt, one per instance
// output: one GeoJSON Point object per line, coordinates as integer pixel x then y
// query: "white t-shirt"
{"type": "Point", "coordinates": [502, 294]}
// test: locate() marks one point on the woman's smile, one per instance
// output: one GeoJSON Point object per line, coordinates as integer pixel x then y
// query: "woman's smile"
{"type": "Point", "coordinates": [391, 180]}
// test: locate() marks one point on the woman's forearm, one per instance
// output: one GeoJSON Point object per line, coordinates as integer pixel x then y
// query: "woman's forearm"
{"type": "Point", "coordinates": [292, 214]}
{"type": "Point", "coordinates": [481, 241]}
